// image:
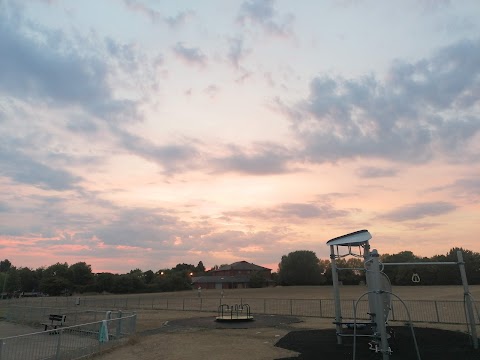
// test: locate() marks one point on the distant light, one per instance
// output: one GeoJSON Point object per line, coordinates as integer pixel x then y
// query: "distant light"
{"type": "Point", "coordinates": [191, 274]}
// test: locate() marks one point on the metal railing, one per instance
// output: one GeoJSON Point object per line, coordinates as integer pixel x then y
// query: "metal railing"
{"type": "Point", "coordinates": [35, 316]}
{"type": "Point", "coordinates": [433, 311]}
{"type": "Point", "coordinates": [70, 342]}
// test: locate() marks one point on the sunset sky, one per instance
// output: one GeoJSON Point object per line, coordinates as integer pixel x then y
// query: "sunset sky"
{"type": "Point", "coordinates": [146, 133]}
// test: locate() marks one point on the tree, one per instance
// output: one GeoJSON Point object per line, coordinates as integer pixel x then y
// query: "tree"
{"type": "Point", "coordinates": [200, 269]}
{"type": "Point", "coordinates": [104, 282]}
{"type": "Point", "coordinates": [301, 268]}
{"type": "Point", "coordinates": [55, 279]}
{"type": "Point", "coordinates": [80, 274]}
{"type": "Point", "coordinates": [148, 276]}
{"type": "Point", "coordinates": [347, 276]}
{"type": "Point", "coordinates": [55, 285]}
{"type": "Point", "coordinates": [257, 280]}
{"type": "Point", "coordinates": [5, 265]}
{"type": "Point", "coordinates": [29, 280]}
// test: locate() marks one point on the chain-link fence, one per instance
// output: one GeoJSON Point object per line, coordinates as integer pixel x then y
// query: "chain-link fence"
{"type": "Point", "coordinates": [35, 316]}
{"type": "Point", "coordinates": [434, 311]}
{"type": "Point", "coordinates": [81, 334]}
{"type": "Point", "coordinates": [71, 342]}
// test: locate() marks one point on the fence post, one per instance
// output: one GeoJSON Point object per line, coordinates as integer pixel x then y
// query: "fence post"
{"type": "Point", "coordinates": [59, 343]}
{"type": "Point", "coordinates": [119, 325]}
{"type": "Point", "coordinates": [291, 307]}
{"type": "Point", "coordinates": [264, 306]}
{"type": "Point", "coordinates": [201, 304]}
{"type": "Point", "coordinates": [320, 304]}
{"type": "Point", "coordinates": [436, 311]}
{"type": "Point", "coordinates": [183, 304]}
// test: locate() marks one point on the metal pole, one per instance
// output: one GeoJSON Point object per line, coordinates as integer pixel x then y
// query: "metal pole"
{"type": "Point", "coordinates": [423, 263]}
{"type": "Point", "coordinates": [468, 301]}
{"type": "Point", "coordinates": [336, 295]}
{"type": "Point", "coordinates": [378, 304]}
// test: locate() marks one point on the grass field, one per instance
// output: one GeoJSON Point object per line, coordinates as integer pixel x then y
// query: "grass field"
{"type": "Point", "coordinates": [450, 292]}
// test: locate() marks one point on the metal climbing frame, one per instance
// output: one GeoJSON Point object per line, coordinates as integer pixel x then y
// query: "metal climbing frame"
{"type": "Point", "coordinates": [376, 290]}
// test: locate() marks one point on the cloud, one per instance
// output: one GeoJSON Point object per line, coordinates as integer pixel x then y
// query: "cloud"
{"type": "Point", "coordinates": [190, 55]}
{"type": "Point", "coordinates": [156, 16]}
{"type": "Point", "coordinates": [464, 188]}
{"type": "Point", "coordinates": [179, 19]}
{"type": "Point", "coordinates": [236, 51]}
{"type": "Point", "coordinates": [173, 158]}
{"type": "Point", "coordinates": [421, 109]}
{"type": "Point", "coordinates": [375, 172]}
{"type": "Point", "coordinates": [38, 64]}
{"type": "Point", "coordinates": [263, 14]}
{"type": "Point", "coordinates": [137, 6]}
{"type": "Point", "coordinates": [261, 159]}
{"type": "Point", "coordinates": [419, 211]}
{"type": "Point", "coordinates": [23, 169]}
{"type": "Point", "coordinates": [292, 212]}
{"type": "Point", "coordinates": [212, 90]}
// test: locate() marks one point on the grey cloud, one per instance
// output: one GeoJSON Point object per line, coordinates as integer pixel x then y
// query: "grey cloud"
{"type": "Point", "coordinates": [139, 227]}
{"type": "Point", "coordinates": [81, 124]}
{"type": "Point", "coordinates": [306, 211]}
{"type": "Point", "coordinates": [125, 53]}
{"type": "Point", "coordinates": [212, 90]}
{"type": "Point", "coordinates": [156, 16]}
{"type": "Point", "coordinates": [137, 6]}
{"type": "Point", "coordinates": [236, 50]}
{"type": "Point", "coordinates": [291, 212]}
{"type": "Point", "coordinates": [53, 71]}
{"type": "Point", "coordinates": [466, 188]}
{"type": "Point", "coordinates": [190, 55]}
{"type": "Point", "coordinates": [4, 207]}
{"type": "Point", "coordinates": [179, 19]}
{"type": "Point", "coordinates": [375, 172]}
{"type": "Point", "coordinates": [421, 108]}
{"type": "Point", "coordinates": [263, 13]}
{"type": "Point", "coordinates": [419, 211]}
{"type": "Point", "coordinates": [24, 169]}
{"type": "Point", "coordinates": [173, 157]}
{"type": "Point", "coordinates": [262, 160]}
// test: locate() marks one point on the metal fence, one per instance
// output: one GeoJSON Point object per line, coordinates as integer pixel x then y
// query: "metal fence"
{"type": "Point", "coordinates": [70, 342]}
{"type": "Point", "coordinates": [35, 315]}
{"type": "Point", "coordinates": [433, 311]}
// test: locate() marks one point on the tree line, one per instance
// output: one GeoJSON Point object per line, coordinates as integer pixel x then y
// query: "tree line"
{"type": "Point", "coordinates": [64, 279]}
{"type": "Point", "coordinates": [304, 268]}
{"type": "Point", "coordinates": [300, 267]}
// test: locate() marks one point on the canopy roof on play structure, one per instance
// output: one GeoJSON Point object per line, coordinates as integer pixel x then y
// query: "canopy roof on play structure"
{"type": "Point", "coordinates": [353, 239]}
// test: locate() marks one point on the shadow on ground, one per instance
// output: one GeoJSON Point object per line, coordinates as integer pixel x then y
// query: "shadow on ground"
{"type": "Point", "coordinates": [434, 344]}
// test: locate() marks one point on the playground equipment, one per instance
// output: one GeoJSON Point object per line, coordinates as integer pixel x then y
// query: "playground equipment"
{"type": "Point", "coordinates": [234, 313]}
{"type": "Point", "coordinates": [379, 293]}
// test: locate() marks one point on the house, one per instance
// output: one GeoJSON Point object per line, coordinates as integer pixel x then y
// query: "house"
{"type": "Point", "coordinates": [233, 276]}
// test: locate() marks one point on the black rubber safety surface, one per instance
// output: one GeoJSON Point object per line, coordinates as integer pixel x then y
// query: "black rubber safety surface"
{"type": "Point", "coordinates": [433, 344]}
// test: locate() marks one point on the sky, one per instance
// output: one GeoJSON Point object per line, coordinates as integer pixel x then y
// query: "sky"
{"type": "Point", "coordinates": [144, 134]}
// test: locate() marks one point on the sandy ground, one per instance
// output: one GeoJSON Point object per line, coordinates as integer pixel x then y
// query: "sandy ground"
{"type": "Point", "coordinates": [215, 344]}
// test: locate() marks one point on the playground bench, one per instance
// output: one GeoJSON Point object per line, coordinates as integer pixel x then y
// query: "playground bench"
{"type": "Point", "coordinates": [55, 321]}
